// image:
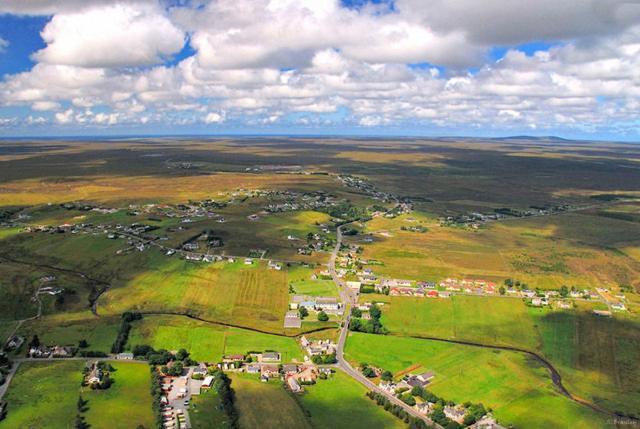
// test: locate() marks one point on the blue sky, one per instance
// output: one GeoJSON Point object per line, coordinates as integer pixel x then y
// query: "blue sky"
{"type": "Point", "coordinates": [336, 67]}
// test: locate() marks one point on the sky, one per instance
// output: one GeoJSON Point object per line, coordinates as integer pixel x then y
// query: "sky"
{"type": "Point", "coordinates": [353, 67]}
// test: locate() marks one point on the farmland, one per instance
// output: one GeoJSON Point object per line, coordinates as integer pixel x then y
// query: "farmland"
{"type": "Point", "coordinates": [207, 341]}
{"type": "Point", "coordinates": [588, 351]}
{"type": "Point", "coordinates": [266, 405]}
{"type": "Point", "coordinates": [205, 412]}
{"type": "Point", "coordinates": [341, 399]}
{"type": "Point", "coordinates": [126, 403]}
{"type": "Point", "coordinates": [512, 384]}
{"type": "Point", "coordinates": [51, 402]}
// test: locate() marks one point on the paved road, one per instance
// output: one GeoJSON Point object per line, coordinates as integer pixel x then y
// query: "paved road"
{"type": "Point", "coordinates": [350, 298]}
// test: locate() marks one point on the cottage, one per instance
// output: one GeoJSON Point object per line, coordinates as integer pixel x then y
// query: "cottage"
{"type": "Point", "coordinates": [253, 368]}
{"type": "Point", "coordinates": [124, 356]}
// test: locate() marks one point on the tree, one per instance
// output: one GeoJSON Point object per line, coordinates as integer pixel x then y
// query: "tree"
{"type": "Point", "coordinates": [356, 312]}
{"type": "Point", "coordinates": [303, 312]}
{"type": "Point", "coordinates": [508, 282]}
{"type": "Point", "coordinates": [81, 404]}
{"type": "Point", "coordinates": [564, 291]}
{"type": "Point", "coordinates": [35, 342]}
{"type": "Point", "coordinates": [182, 354]}
{"type": "Point", "coordinates": [83, 344]}
{"type": "Point", "coordinates": [322, 316]}
{"type": "Point", "coordinates": [387, 376]}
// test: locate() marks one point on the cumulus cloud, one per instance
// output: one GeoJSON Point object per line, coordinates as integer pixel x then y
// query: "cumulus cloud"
{"type": "Point", "coordinates": [3, 45]}
{"type": "Point", "coordinates": [316, 63]}
{"type": "Point", "coordinates": [110, 36]}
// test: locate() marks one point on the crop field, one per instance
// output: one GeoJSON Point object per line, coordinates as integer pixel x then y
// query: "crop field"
{"type": "Point", "coordinates": [206, 341]}
{"type": "Point", "coordinates": [252, 296]}
{"type": "Point", "coordinates": [266, 405]}
{"type": "Point", "coordinates": [341, 402]}
{"type": "Point", "coordinates": [127, 403]}
{"type": "Point", "coordinates": [43, 395]}
{"type": "Point", "coordinates": [597, 357]}
{"type": "Point", "coordinates": [502, 380]}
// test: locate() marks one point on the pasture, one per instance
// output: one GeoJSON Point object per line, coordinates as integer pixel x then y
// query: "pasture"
{"type": "Point", "coordinates": [43, 395]}
{"type": "Point", "coordinates": [206, 341]}
{"type": "Point", "coordinates": [340, 401]}
{"type": "Point", "coordinates": [266, 405]}
{"type": "Point", "coordinates": [205, 411]}
{"type": "Point", "coordinates": [515, 386]}
{"type": "Point", "coordinates": [127, 403]}
{"type": "Point", "coordinates": [597, 357]}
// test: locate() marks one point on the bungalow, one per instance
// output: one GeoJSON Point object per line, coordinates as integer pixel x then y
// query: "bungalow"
{"type": "Point", "coordinates": [425, 407]}
{"type": "Point", "coordinates": [327, 303]}
{"type": "Point", "coordinates": [308, 374]}
{"type": "Point", "coordinates": [96, 374]}
{"type": "Point", "coordinates": [248, 261]}
{"type": "Point", "coordinates": [444, 294]}
{"type": "Point", "coordinates": [253, 368]}
{"type": "Point", "coordinates": [432, 294]}
{"type": "Point", "coordinates": [618, 306]}
{"type": "Point", "coordinates": [274, 266]}
{"type": "Point", "coordinates": [233, 358]}
{"type": "Point", "coordinates": [603, 313]}
{"type": "Point", "coordinates": [538, 302]}
{"type": "Point", "coordinates": [420, 380]}
{"type": "Point", "coordinates": [269, 371]}
{"type": "Point", "coordinates": [455, 414]}
{"type": "Point", "coordinates": [124, 356]}
{"type": "Point", "coordinates": [270, 357]}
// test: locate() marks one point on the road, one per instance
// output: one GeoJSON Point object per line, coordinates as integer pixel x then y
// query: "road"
{"type": "Point", "coordinates": [349, 299]}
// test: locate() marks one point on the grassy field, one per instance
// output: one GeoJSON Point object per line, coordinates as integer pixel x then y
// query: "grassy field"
{"type": "Point", "coordinates": [230, 293]}
{"type": "Point", "coordinates": [341, 402]}
{"type": "Point", "coordinates": [205, 412]}
{"type": "Point", "coordinates": [43, 395]}
{"type": "Point", "coordinates": [597, 357]}
{"type": "Point", "coordinates": [100, 333]}
{"type": "Point", "coordinates": [577, 249]}
{"type": "Point", "coordinates": [266, 405]}
{"type": "Point", "coordinates": [127, 403]}
{"type": "Point", "coordinates": [206, 341]}
{"type": "Point", "coordinates": [514, 385]}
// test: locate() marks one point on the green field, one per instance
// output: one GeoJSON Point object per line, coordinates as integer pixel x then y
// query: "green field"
{"type": "Point", "coordinates": [597, 357]}
{"type": "Point", "coordinates": [341, 402]}
{"type": "Point", "coordinates": [205, 412]}
{"type": "Point", "coordinates": [43, 395]}
{"type": "Point", "coordinates": [127, 403]}
{"type": "Point", "coordinates": [207, 341]}
{"type": "Point", "coordinates": [514, 385]}
{"type": "Point", "coordinates": [100, 333]}
{"type": "Point", "coordinates": [266, 405]}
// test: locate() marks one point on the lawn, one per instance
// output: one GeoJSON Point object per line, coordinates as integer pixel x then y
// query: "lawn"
{"type": "Point", "coordinates": [43, 395]}
{"type": "Point", "coordinates": [340, 402]}
{"type": "Point", "coordinates": [207, 341]}
{"type": "Point", "coordinates": [205, 411]}
{"type": "Point", "coordinates": [127, 403]}
{"type": "Point", "coordinates": [266, 405]}
{"type": "Point", "coordinates": [511, 383]}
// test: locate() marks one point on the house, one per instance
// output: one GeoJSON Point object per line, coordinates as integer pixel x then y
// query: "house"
{"type": "Point", "coordinates": [308, 374]}
{"type": "Point", "coordinates": [444, 294]}
{"type": "Point", "coordinates": [389, 387]}
{"type": "Point", "coordinates": [327, 303]}
{"type": "Point", "coordinates": [618, 306]}
{"type": "Point", "coordinates": [420, 380]}
{"type": "Point", "coordinates": [269, 371]}
{"type": "Point", "coordinates": [603, 313]}
{"type": "Point", "coordinates": [487, 422]}
{"type": "Point", "coordinates": [538, 302]}
{"type": "Point", "coordinates": [425, 407]}
{"type": "Point", "coordinates": [274, 266]}
{"type": "Point", "coordinates": [294, 385]}
{"type": "Point", "coordinates": [248, 261]}
{"type": "Point", "coordinates": [233, 358]}
{"type": "Point", "coordinates": [62, 352]}
{"type": "Point", "coordinates": [289, 369]}
{"type": "Point", "coordinates": [354, 285]}
{"type": "Point", "coordinates": [253, 368]}
{"type": "Point", "coordinates": [95, 375]}
{"type": "Point", "coordinates": [15, 342]}
{"type": "Point", "coordinates": [563, 305]}
{"type": "Point", "coordinates": [124, 356]}
{"type": "Point", "coordinates": [270, 357]}
{"type": "Point", "coordinates": [455, 414]}
{"type": "Point", "coordinates": [432, 294]}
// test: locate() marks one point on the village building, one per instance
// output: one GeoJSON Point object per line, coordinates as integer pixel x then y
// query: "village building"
{"type": "Point", "coordinates": [124, 356]}
{"type": "Point", "coordinates": [454, 413]}
{"type": "Point", "coordinates": [294, 385]}
{"type": "Point", "coordinates": [486, 422]}
{"type": "Point", "coordinates": [269, 371]}
{"type": "Point", "coordinates": [252, 368]}
{"type": "Point", "coordinates": [270, 357]}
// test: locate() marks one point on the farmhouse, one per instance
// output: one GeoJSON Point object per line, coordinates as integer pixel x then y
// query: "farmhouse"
{"type": "Point", "coordinates": [455, 414]}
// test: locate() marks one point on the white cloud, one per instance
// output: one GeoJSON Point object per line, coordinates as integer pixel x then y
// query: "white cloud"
{"type": "Point", "coordinates": [3, 45]}
{"type": "Point", "coordinates": [214, 118]}
{"type": "Point", "coordinates": [110, 36]}
{"type": "Point", "coordinates": [65, 117]}
{"type": "Point", "coordinates": [42, 106]}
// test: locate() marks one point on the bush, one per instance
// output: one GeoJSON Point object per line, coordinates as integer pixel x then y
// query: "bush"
{"type": "Point", "coordinates": [322, 317]}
